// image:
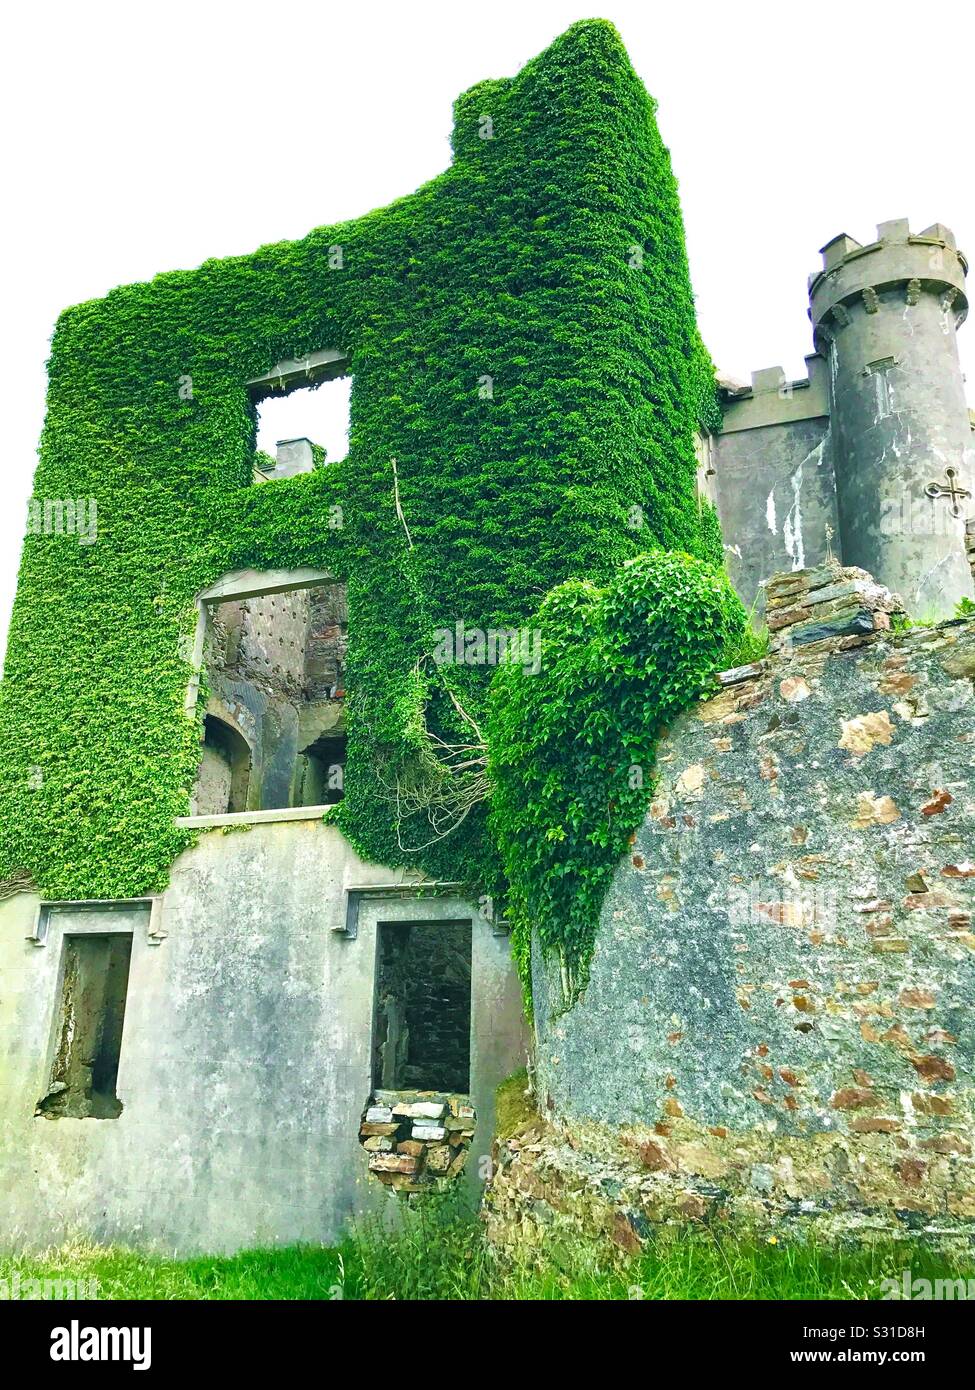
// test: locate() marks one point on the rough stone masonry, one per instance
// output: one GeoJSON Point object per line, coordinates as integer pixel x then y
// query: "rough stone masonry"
{"type": "Point", "coordinates": [778, 1024]}
{"type": "Point", "coordinates": [417, 1140]}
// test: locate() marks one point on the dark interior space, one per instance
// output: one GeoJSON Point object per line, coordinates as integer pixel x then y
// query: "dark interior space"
{"type": "Point", "coordinates": [423, 1006]}
{"type": "Point", "coordinates": [321, 772]}
{"type": "Point", "coordinates": [92, 1012]}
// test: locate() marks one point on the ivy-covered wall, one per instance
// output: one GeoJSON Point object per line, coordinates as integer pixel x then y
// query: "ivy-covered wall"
{"type": "Point", "coordinates": [522, 341]}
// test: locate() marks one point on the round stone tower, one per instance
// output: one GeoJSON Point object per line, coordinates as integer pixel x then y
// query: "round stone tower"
{"type": "Point", "coordinates": [884, 317]}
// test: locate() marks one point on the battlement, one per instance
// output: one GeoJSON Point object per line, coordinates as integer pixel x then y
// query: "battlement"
{"type": "Point", "coordinates": [899, 265]}
{"type": "Point", "coordinates": [772, 399]}
{"type": "Point", "coordinates": [894, 233]}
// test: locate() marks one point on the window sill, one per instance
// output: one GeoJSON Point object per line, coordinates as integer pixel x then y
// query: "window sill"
{"type": "Point", "coordinates": [252, 817]}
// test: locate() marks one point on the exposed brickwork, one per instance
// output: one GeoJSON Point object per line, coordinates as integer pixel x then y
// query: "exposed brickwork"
{"type": "Point", "coordinates": [328, 639]}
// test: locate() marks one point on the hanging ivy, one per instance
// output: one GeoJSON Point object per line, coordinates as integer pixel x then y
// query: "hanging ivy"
{"type": "Point", "coordinates": [572, 747]}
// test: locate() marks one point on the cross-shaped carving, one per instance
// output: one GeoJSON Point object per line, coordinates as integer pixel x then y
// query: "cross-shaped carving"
{"type": "Point", "coordinates": [954, 490]}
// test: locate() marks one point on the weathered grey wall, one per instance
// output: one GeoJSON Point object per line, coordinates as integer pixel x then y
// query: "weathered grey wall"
{"type": "Point", "coordinates": [775, 496]}
{"type": "Point", "coordinates": [245, 1059]}
{"type": "Point", "coordinates": [783, 985]}
{"type": "Point", "coordinates": [214, 779]}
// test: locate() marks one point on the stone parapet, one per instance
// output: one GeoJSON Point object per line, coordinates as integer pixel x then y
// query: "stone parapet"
{"type": "Point", "coordinates": [854, 275]}
{"type": "Point", "coordinates": [774, 399]}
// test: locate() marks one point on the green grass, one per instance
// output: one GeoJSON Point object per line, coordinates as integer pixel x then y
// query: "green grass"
{"type": "Point", "coordinates": [440, 1255]}
{"type": "Point", "coordinates": [297, 1272]}
{"type": "Point", "coordinates": [751, 644]}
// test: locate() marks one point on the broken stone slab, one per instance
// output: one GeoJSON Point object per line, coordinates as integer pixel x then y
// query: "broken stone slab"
{"type": "Point", "coordinates": [832, 646]}
{"type": "Point", "coordinates": [429, 1132]}
{"type": "Point", "coordinates": [461, 1122]}
{"type": "Point", "coordinates": [785, 617]}
{"type": "Point", "coordinates": [457, 1163]}
{"type": "Point", "coordinates": [421, 1182]}
{"type": "Point", "coordinates": [875, 595]}
{"type": "Point", "coordinates": [439, 1158]}
{"type": "Point", "coordinates": [408, 1097]}
{"type": "Point", "coordinates": [837, 598]}
{"type": "Point", "coordinates": [378, 1115]}
{"type": "Point", "coordinates": [794, 617]}
{"type": "Point", "coordinates": [736, 674]}
{"type": "Point", "coordinates": [378, 1143]}
{"type": "Point", "coordinates": [389, 1098]}
{"type": "Point", "coordinates": [849, 623]}
{"type": "Point", "coordinates": [393, 1163]}
{"type": "Point", "coordinates": [368, 1130]}
{"type": "Point", "coordinates": [791, 582]}
{"type": "Point", "coordinates": [420, 1110]}
{"type": "Point", "coordinates": [785, 587]}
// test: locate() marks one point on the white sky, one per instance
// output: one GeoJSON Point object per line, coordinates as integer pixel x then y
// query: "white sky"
{"type": "Point", "coordinates": [146, 137]}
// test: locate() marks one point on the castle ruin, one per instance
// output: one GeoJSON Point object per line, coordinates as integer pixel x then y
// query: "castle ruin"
{"type": "Point", "coordinates": [238, 1005]}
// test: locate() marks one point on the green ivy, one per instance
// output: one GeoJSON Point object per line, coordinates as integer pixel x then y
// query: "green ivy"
{"type": "Point", "coordinates": [523, 343]}
{"type": "Point", "coordinates": [573, 746]}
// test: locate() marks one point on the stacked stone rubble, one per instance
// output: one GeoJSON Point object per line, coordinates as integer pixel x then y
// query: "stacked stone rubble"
{"type": "Point", "coordinates": [417, 1140]}
{"type": "Point", "coordinates": [835, 604]}
{"type": "Point", "coordinates": [970, 544]}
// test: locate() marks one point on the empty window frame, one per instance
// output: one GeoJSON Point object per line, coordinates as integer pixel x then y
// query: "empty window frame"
{"type": "Point", "coordinates": [422, 1034]}
{"type": "Point", "coordinates": [91, 1014]}
{"type": "Point", "coordinates": [301, 414]}
{"type": "Point", "coordinates": [275, 667]}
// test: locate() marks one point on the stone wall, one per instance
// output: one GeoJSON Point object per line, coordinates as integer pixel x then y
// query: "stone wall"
{"type": "Point", "coordinates": [781, 999]}
{"type": "Point", "coordinates": [773, 481]}
{"type": "Point", "coordinates": [327, 642]}
{"type": "Point", "coordinates": [245, 1058]}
